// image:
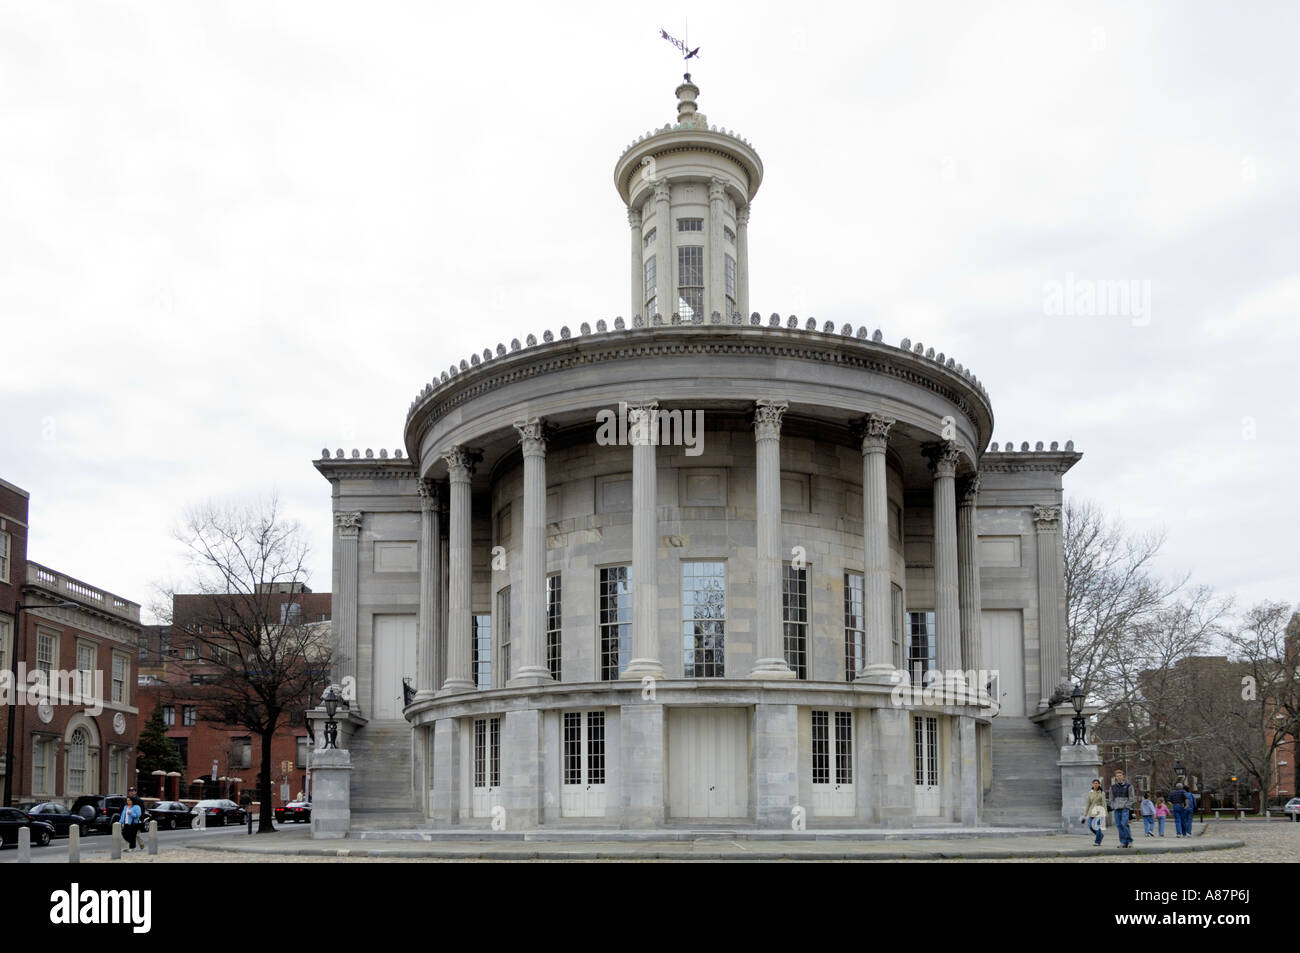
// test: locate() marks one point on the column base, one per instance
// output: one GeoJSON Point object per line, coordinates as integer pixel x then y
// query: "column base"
{"type": "Point", "coordinates": [772, 668]}
{"type": "Point", "coordinates": [424, 695]}
{"type": "Point", "coordinates": [529, 676]}
{"type": "Point", "coordinates": [456, 686]}
{"type": "Point", "coordinates": [640, 668]}
{"type": "Point", "coordinates": [881, 674]}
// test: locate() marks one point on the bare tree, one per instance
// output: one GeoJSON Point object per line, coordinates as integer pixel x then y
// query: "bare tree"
{"type": "Point", "coordinates": [256, 657]}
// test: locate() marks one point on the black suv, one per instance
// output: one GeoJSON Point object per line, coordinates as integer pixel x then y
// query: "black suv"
{"type": "Point", "coordinates": [99, 810]}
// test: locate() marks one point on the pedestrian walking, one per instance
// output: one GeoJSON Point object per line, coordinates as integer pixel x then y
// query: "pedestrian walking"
{"type": "Point", "coordinates": [1148, 809]}
{"type": "Point", "coordinates": [131, 822]}
{"type": "Point", "coordinates": [1094, 811]}
{"type": "Point", "coordinates": [1178, 803]}
{"type": "Point", "coordinates": [1162, 811]}
{"type": "Point", "coordinates": [1123, 798]}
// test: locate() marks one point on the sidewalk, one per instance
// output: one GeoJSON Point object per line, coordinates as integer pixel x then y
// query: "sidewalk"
{"type": "Point", "coordinates": [299, 844]}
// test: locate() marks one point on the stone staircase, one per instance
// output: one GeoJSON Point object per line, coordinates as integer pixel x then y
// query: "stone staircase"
{"type": "Point", "coordinates": [1026, 789]}
{"type": "Point", "coordinates": [381, 776]}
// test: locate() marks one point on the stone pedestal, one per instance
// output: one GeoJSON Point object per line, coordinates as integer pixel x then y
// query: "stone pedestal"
{"type": "Point", "coordinates": [641, 756]}
{"type": "Point", "coordinates": [891, 737]}
{"type": "Point", "coordinates": [444, 800]}
{"type": "Point", "coordinates": [331, 805]}
{"type": "Point", "coordinates": [1079, 764]}
{"type": "Point", "coordinates": [776, 764]}
{"type": "Point", "coordinates": [968, 772]}
{"type": "Point", "coordinates": [521, 765]}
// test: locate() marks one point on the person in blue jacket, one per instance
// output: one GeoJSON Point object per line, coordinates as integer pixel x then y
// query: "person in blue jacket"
{"type": "Point", "coordinates": [131, 822]}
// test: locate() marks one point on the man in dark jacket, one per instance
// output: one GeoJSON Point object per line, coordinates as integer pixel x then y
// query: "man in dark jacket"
{"type": "Point", "coordinates": [1123, 798]}
{"type": "Point", "coordinates": [1179, 804]}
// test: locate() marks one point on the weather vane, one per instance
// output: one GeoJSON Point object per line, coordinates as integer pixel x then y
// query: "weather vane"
{"type": "Point", "coordinates": [684, 47]}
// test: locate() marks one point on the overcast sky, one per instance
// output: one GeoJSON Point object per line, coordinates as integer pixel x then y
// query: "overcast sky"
{"type": "Point", "coordinates": [233, 234]}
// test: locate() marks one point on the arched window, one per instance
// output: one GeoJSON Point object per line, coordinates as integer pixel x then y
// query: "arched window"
{"type": "Point", "coordinates": [77, 762]}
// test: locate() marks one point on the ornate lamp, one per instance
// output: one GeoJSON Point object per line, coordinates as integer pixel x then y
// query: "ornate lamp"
{"type": "Point", "coordinates": [331, 699]}
{"type": "Point", "coordinates": [1080, 724]}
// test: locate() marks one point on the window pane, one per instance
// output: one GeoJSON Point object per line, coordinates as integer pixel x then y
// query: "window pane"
{"type": "Point", "coordinates": [482, 649]}
{"type": "Point", "coordinates": [553, 623]}
{"type": "Point", "coordinates": [821, 770]}
{"type": "Point", "coordinates": [704, 610]}
{"type": "Point", "coordinates": [794, 608]}
{"type": "Point", "coordinates": [855, 625]}
{"type": "Point", "coordinates": [615, 620]}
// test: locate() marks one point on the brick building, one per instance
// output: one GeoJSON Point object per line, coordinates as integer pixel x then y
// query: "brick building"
{"type": "Point", "coordinates": [68, 648]}
{"type": "Point", "coordinates": [177, 674]}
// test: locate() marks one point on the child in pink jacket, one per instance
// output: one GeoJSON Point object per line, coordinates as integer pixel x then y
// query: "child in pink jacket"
{"type": "Point", "coordinates": [1162, 811]}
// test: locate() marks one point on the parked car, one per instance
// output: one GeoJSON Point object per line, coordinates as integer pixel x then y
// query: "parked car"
{"type": "Point", "coordinates": [56, 814]}
{"type": "Point", "coordinates": [12, 819]}
{"type": "Point", "coordinates": [170, 814]}
{"type": "Point", "coordinates": [220, 811]}
{"type": "Point", "coordinates": [296, 811]}
{"type": "Point", "coordinates": [100, 810]}
{"type": "Point", "coordinates": [1292, 809]}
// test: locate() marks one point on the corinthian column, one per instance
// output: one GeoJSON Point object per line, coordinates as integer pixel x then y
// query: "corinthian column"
{"type": "Point", "coordinates": [715, 297]}
{"type": "Point", "coordinates": [532, 655]}
{"type": "Point", "coordinates": [947, 615]}
{"type": "Point", "coordinates": [742, 259]}
{"type": "Point", "coordinates": [770, 661]}
{"type": "Point", "coordinates": [460, 470]}
{"type": "Point", "coordinates": [875, 536]}
{"type": "Point", "coordinates": [348, 526]}
{"type": "Point", "coordinates": [431, 604]}
{"type": "Point", "coordinates": [642, 420]}
{"type": "Point", "coordinates": [638, 266]}
{"type": "Point", "coordinates": [1051, 603]}
{"type": "Point", "coordinates": [968, 570]}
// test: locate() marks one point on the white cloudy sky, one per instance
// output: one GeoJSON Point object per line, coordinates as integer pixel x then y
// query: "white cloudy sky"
{"type": "Point", "coordinates": [234, 233]}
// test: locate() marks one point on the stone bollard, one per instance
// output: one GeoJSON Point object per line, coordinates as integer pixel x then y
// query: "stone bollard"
{"type": "Point", "coordinates": [153, 838]}
{"type": "Point", "coordinates": [74, 844]}
{"type": "Point", "coordinates": [24, 845]}
{"type": "Point", "coordinates": [115, 851]}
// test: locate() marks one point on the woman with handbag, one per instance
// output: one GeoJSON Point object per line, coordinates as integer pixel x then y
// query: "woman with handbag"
{"type": "Point", "coordinates": [1094, 811]}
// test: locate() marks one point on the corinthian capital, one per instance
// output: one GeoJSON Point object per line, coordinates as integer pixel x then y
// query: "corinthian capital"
{"type": "Point", "coordinates": [717, 189]}
{"type": "Point", "coordinates": [767, 418]}
{"type": "Point", "coordinates": [348, 524]}
{"type": "Point", "coordinates": [461, 462]}
{"type": "Point", "coordinates": [430, 497]}
{"type": "Point", "coordinates": [662, 191]}
{"type": "Point", "coordinates": [532, 436]}
{"type": "Point", "coordinates": [742, 216]}
{"type": "Point", "coordinates": [874, 431]}
{"type": "Point", "coordinates": [1047, 519]}
{"type": "Point", "coordinates": [943, 458]}
{"type": "Point", "coordinates": [634, 217]}
{"type": "Point", "coordinates": [641, 422]}
{"type": "Point", "coordinates": [968, 490]}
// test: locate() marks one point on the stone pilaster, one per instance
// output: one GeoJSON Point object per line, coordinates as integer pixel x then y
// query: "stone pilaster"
{"type": "Point", "coordinates": [638, 264]}
{"type": "Point", "coordinates": [642, 426]}
{"type": "Point", "coordinates": [665, 252]}
{"type": "Point", "coordinates": [444, 808]}
{"type": "Point", "coordinates": [532, 669]}
{"type": "Point", "coordinates": [947, 612]}
{"type": "Point", "coordinates": [460, 471]}
{"type": "Point", "coordinates": [742, 259]}
{"type": "Point", "coordinates": [348, 527]}
{"type": "Point", "coordinates": [431, 603]}
{"type": "Point", "coordinates": [642, 759]}
{"type": "Point", "coordinates": [876, 563]}
{"type": "Point", "coordinates": [776, 764]}
{"type": "Point", "coordinates": [770, 661]}
{"type": "Point", "coordinates": [968, 571]}
{"type": "Point", "coordinates": [1051, 601]}
{"type": "Point", "coordinates": [715, 298]}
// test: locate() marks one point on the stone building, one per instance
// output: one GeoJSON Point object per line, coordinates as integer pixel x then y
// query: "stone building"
{"type": "Point", "coordinates": [68, 658]}
{"type": "Point", "coordinates": [697, 566]}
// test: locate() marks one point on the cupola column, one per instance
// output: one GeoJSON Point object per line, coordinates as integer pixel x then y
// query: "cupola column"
{"type": "Point", "coordinates": [742, 260]}
{"type": "Point", "coordinates": [666, 266]}
{"type": "Point", "coordinates": [638, 266]}
{"type": "Point", "coordinates": [716, 298]}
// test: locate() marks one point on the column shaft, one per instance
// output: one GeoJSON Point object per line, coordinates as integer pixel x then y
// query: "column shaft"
{"type": "Point", "coordinates": [460, 467]}
{"type": "Point", "coordinates": [742, 260]}
{"type": "Point", "coordinates": [947, 614]}
{"type": "Point", "coordinates": [532, 669]}
{"type": "Point", "coordinates": [969, 574]}
{"type": "Point", "coordinates": [769, 661]}
{"type": "Point", "coordinates": [642, 426]}
{"type": "Point", "coordinates": [666, 268]}
{"type": "Point", "coordinates": [430, 589]}
{"type": "Point", "coordinates": [715, 298]}
{"type": "Point", "coordinates": [876, 574]}
{"type": "Point", "coordinates": [638, 265]}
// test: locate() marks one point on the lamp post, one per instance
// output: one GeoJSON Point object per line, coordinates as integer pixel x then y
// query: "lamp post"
{"type": "Point", "coordinates": [13, 690]}
{"type": "Point", "coordinates": [331, 699]}
{"type": "Point", "coordinates": [1080, 724]}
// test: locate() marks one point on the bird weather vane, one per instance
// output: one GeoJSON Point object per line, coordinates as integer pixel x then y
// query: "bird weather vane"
{"type": "Point", "coordinates": [686, 51]}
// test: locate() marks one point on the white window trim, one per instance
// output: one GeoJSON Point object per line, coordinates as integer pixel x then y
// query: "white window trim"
{"type": "Point", "coordinates": [6, 549]}
{"type": "Point", "coordinates": [126, 679]}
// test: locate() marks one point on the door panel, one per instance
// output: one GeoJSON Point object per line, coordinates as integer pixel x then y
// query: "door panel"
{"type": "Point", "coordinates": [1002, 640]}
{"type": "Point", "coordinates": [708, 762]}
{"type": "Point", "coordinates": [394, 658]}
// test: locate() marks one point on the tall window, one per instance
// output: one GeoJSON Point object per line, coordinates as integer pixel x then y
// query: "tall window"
{"type": "Point", "coordinates": [615, 620]}
{"type": "Point", "coordinates": [304, 751]}
{"type": "Point", "coordinates": [46, 649]}
{"type": "Point", "coordinates": [704, 618]}
{"type": "Point", "coordinates": [822, 748]}
{"type": "Point", "coordinates": [487, 752]}
{"type": "Point", "coordinates": [574, 748]}
{"type": "Point", "coordinates": [920, 646]}
{"type": "Point", "coordinates": [690, 224]}
{"type": "Point", "coordinates": [187, 716]}
{"type": "Point", "coordinates": [690, 278]}
{"type": "Point", "coordinates": [729, 235]}
{"type": "Point", "coordinates": [4, 557]}
{"type": "Point", "coordinates": [115, 769]}
{"type": "Point", "coordinates": [650, 237]}
{"type": "Point", "coordinates": [896, 624]}
{"type": "Point", "coordinates": [925, 742]}
{"type": "Point", "coordinates": [119, 678]}
{"type": "Point", "coordinates": [503, 626]}
{"type": "Point", "coordinates": [77, 762]}
{"type": "Point", "coordinates": [730, 275]}
{"type": "Point", "coordinates": [554, 621]}
{"type": "Point", "coordinates": [169, 715]}
{"type": "Point", "coordinates": [85, 669]}
{"type": "Point", "coordinates": [482, 648]}
{"type": "Point", "coordinates": [40, 766]}
{"type": "Point", "coordinates": [4, 645]}
{"type": "Point", "coordinates": [241, 752]}
{"type": "Point", "coordinates": [855, 626]}
{"type": "Point", "coordinates": [651, 295]}
{"type": "Point", "coordinates": [794, 618]}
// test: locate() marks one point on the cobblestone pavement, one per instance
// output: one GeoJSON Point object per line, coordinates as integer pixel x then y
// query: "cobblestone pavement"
{"type": "Point", "coordinates": [1261, 842]}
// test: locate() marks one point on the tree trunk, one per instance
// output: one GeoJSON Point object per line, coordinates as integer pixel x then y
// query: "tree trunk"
{"type": "Point", "coordinates": [266, 812]}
